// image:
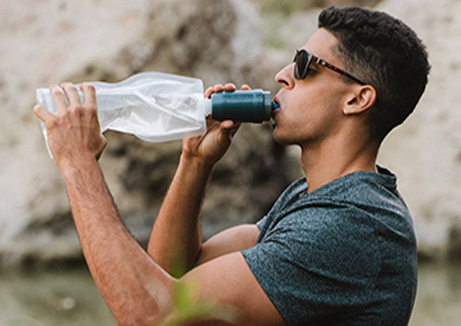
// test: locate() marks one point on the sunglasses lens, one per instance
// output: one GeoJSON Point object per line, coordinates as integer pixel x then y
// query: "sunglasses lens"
{"type": "Point", "coordinates": [301, 64]}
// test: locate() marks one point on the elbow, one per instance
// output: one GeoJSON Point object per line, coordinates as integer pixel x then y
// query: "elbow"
{"type": "Point", "coordinates": [139, 314]}
{"type": "Point", "coordinates": [145, 313]}
{"type": "Point", "coordinates": [149, 307]}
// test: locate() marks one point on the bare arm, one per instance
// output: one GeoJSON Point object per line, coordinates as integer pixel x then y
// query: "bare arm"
{"type": "Point", "coordinates": [137, 290]}
{"type": "Point", "coordinates": [176, 239]}
{"type": "Point", "coordinates": [123, 272]}
{"type": "Point", "coordinates": [235, 239]}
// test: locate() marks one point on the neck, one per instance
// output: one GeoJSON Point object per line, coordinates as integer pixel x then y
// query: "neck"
{"type": "Point", "coordinates": [333, 158]}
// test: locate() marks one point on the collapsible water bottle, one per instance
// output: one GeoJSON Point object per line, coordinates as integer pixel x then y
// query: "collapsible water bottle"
{"type": "Point", "coordinates": [159, 107]}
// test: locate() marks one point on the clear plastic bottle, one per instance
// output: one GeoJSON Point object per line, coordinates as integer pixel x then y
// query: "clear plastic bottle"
{"type": "Point", "coordinates": [159, 107]}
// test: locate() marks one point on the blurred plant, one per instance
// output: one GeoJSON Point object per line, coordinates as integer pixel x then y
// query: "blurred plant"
{"type": "Point", "coordinates": [188, 309]}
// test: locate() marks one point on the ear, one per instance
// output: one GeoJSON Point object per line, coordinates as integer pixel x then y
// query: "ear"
{"type": "Point", "coordinates": [360, 100]}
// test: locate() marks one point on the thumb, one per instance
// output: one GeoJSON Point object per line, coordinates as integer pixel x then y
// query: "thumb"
{"type": "Point", "coordinates": [230, 127]}
{"type": "Point", "coordinates": [43, 114]}
{"type": "Point", "coordinates": [226, 125]}
{"type": "Point", "coordinates": [225, 130]}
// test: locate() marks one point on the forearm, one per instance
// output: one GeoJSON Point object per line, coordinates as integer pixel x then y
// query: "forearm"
{"type": "Point", "coordinates": [175, 241]}
{"type": "Point", "coordinates": [134, 287]}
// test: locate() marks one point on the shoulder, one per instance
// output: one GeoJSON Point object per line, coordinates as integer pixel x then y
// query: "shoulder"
{"type": "Point", "coordinates": [316, 248]}
{"type": "Point", "coordinates": [325, 230]}
{"type": "Point", "coordinates": [322, 216]}
{"type": "Point", "coordinates": [286, 199]}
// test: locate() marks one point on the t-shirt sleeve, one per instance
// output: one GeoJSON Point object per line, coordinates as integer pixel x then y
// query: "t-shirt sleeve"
{"type": "Point", "coordinates": [317, 262]}
{"type": "Point", "coordinates": [263, 223]}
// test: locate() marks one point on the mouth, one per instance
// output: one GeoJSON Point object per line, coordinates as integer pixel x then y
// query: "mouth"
{"type": "Point", "coordinates": [277, 106]}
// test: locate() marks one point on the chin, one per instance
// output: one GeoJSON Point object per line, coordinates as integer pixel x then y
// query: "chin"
{"type": "Point", "coordinates": [282, 139]}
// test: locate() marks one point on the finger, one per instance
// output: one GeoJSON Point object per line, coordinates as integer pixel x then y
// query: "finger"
{"type": "Point", "coordinates": [235, 128]}
{"type": "Point", "coordinates": [208, 92]}
{"type": "Point", "coordinates": [59, 98]}
{"type": "Point", "coordinates": [89, 94]}
{"type": "Point", "coordinates": [227, 130]}
{"type": "Point", "coordinates": [212, 124]}
{"type": "Point", "coordinates": [227, 125]}
{"type": "Point", "coordinates": [72, 93]}
{"type": "Point", "coordinates": [245, 87]}
{"type": "Point", "coordinates": [43, 114]}
{"type": "Point", "coordinates": [229, 87]}
{"type": "Point", "coordinates": [218, 88]}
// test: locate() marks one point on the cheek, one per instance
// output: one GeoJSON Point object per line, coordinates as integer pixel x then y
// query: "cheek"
{"type": "Point", "coordinates": [306, 109]}
{"type": "Point", "coordinates": [314, 113]}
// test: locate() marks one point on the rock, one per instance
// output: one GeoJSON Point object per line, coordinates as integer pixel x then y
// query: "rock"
{"type": "Point", "coordinates": [426, 151]}
{"type": "Point", "coordinates": [45, 42]}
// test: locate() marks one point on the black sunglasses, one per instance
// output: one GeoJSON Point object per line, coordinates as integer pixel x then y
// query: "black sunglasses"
{"type": "Point", "coordinates": [303, 59]}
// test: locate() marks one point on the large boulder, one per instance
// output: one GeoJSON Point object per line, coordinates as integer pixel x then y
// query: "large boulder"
{"type": "Point", "coordinates": [50, 41]}
{"type": "Point", "coordinates": [426, 151]}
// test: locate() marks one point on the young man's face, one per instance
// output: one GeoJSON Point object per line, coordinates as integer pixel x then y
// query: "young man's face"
{"type": "Point", "coordinates": [311, 109]}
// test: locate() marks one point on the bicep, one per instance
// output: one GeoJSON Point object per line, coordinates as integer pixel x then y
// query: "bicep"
{"type": "Point", "coordinates": [229, 282]}
{"type": "Point", "coordinates": [228, 241]}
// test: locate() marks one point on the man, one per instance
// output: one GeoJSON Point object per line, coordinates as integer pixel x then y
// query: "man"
{"type": "Point", "coordinates": [337, 248]}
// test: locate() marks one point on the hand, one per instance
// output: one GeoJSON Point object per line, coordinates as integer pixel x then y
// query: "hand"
{"type": "Point", "coordinates": [212, 146]}
{"type": "Point", "coordinates": [74, 135]}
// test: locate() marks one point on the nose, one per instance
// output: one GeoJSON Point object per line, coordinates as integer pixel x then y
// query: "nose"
{"type": "Point", "coordinates": [285, 77]}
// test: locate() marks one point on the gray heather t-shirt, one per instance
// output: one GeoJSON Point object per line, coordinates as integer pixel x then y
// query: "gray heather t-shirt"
{"type": "Point", "coordinates": [344, 254]}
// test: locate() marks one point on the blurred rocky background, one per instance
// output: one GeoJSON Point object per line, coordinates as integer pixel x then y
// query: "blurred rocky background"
{"type": "Point", "coordinates": [240, 41]}
{"type": "Point", "coordinates": [45, 42]}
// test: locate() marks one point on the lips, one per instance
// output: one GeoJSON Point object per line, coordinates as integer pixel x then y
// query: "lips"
{"type": "Point", "coordinates": [277, 106]}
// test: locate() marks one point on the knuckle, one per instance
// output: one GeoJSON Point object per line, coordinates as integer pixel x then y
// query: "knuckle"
{"type": "Point", "coordinates": [64, 85]}
{"type": "Point", "coordinates": [76, 110]}
{"type": "Point", "coordinates": [68, 86]}
{"type": "Point", "coordinates": [88, 86]}
{"type": "Point", "coordinates": [63, 117]}
{"type": "Point", "coordinates": [51, 124]}
{"type": "Point", "coordinates": [80, 109]}
{"type": "Point", "coordinates": [92, 110]}
{"type": "Point", "coordinates": [55, 90]}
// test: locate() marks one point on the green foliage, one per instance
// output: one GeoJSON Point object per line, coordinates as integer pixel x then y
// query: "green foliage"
{"type": "Point", "coordinates": [187, 308]}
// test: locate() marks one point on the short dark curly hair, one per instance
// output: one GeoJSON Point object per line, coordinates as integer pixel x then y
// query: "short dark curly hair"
{"type": "Point", "coordinates": [385, 53]}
